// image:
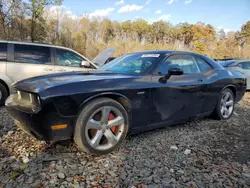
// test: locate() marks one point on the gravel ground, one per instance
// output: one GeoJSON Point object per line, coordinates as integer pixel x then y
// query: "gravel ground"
{"type": "Point", "coordinates": [205, 153]}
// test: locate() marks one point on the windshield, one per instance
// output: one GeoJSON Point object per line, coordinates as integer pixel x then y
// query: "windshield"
{"type": "Point", "coordinates": [132, 63]}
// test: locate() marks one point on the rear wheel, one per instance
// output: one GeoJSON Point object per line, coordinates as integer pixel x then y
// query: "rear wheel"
{"type": "Point", "coordinates": [3, 94]}
{"type": "Point", "coordinates": [101, 126]}
{"type": "Point", "coordinates": [225, 105]}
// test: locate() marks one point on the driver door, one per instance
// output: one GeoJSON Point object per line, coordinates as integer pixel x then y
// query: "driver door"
{"type": "Point", "coordinates": [180, 97]}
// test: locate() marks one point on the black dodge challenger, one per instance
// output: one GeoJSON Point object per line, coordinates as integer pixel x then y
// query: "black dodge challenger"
{"type": "Point", "coordinates": [133, 93]}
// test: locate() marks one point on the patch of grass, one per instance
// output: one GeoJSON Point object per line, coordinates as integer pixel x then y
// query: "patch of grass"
{"type": "Point", "coordinates": [14, 174]}
{"type": "Point", "coordinates": [22, 167]}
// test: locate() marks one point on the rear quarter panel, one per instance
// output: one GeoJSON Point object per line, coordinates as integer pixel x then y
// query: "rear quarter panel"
{"type": "Point", "coordinates": [245, 72]}
{"type": "Point", "coordinates": [240, 83]}
{"type": "Point", "coordinates": [219, 79]}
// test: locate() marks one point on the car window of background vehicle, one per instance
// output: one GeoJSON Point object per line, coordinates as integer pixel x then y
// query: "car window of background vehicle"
{"type": "Point", "coordinates": [245, 65]}
{"type": "Point", "coordinates": [32, 54]}
{"type": "Point", "coordinates": [3, 51]}
{"type": "Point", "coordinates": [68, 58]}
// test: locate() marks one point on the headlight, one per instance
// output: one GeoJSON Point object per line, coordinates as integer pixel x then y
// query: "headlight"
{"type": "Point", "coordinates": [27, 100]}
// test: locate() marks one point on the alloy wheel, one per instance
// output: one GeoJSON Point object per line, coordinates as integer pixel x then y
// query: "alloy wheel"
{"type": "Point", "coordinates": [104, 128]}
{"type": "Point", "coordinates": [227, 104]}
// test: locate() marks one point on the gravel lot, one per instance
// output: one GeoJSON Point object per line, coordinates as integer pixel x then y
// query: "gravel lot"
{"type": "Point", "coordinates": [205, 153]}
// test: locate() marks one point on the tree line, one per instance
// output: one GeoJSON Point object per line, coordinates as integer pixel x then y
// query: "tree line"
{"type": "Point", "coordinates": [34, 21]}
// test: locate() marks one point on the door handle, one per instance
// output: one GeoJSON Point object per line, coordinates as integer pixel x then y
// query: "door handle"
{"type": "Point", "coordinates": [200, 80]}
{"type": "Point", "coordinates": [48, 69]}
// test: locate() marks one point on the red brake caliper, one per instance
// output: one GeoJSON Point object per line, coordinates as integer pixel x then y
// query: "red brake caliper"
{"type": "Point", "coordinates": [111, 116]}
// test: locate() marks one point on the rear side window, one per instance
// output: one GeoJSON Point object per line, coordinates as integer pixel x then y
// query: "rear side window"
{"type": "Point", "coordinates": [186, 62]}
{"type": "Point", "coordinates": [32, 54]}
{"type": "Point", "coordinates": [3, 51]}
{"type": "Point", "coordinates": [203, 65]}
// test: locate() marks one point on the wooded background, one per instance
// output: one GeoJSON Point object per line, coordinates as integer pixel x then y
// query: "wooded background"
{"type": "Point", "coordinates": [46, 21]}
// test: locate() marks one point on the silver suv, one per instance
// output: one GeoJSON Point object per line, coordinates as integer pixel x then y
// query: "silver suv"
{"type": "Point", "coordinates": [19, 60]}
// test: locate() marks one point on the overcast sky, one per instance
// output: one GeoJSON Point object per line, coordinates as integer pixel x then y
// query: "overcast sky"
{"type": "Point", "coordinates": [226, 14]}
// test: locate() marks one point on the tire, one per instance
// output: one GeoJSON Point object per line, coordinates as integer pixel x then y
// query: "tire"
{"type": "Point", "coordinates": [221, 114]}
{"type": "Point", "coordinates": [94, 129]}
{"type": "Point", "coordinates": [3, 94]}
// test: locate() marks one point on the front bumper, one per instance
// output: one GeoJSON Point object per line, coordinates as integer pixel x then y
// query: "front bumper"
{"type": "Point", "coordinates": [40, 124]}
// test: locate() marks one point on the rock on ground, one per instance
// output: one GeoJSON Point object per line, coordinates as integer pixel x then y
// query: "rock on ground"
{"type": "Point", "coordinates": [203, 153]}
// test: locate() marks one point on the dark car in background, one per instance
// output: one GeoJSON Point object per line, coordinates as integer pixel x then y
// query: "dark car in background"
{"type": "Point", "coordinates": [243, 66]}
{"type": "Point", "coordinates": [133, 93]}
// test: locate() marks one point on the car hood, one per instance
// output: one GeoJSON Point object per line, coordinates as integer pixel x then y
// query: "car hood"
{"type": "Point", "coordinates": [37, 84]}
{"type": "Point", "coordinates": [101, 58]}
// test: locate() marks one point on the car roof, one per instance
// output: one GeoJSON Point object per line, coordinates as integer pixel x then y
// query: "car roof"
{"type": "Point", "coordinates": [242, 61]}
{"type": "Point", "coordinates": [236, 61]}
{"type": "Point", "coordinates": [166, 51]}
{"type": "Point", "coordinates": [34, 44]}
{"type": "Point", "coordinates": [232, 62]}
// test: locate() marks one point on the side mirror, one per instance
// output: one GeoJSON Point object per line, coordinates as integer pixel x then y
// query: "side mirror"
{"type": "Point", "coordinates": [171, 71]}
{"type": "Point", "coordinates": [85, 64]}
{"type": "Point", "coordinates": [175, 71]}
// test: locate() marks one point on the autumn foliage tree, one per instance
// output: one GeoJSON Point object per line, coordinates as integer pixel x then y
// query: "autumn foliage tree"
{"type": "Point", "coordinates": [37, 24]}
{"type": "Point", "coordinates": [245, 32]}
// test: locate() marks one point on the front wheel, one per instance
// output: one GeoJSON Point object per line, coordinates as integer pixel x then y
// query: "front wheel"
{"type": "Point", "coordinates": [225, 106]}
{"type": "Point", "coordinates": [101, 126]}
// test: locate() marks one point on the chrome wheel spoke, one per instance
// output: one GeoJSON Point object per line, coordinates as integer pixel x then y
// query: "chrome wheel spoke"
{"type": "Point", "coordinates": [229, 103]}
{"type": "Point", "coordinates": [116, 122]}
{"type": "Point", "coordinates": [226, 96]}
{"type": "Point", "coordinates": [105, 114]}
{"type": "Point", "coordinates": [227, 112]}
{"type": "Point", "coordinates": [93, 124]}
{"type": "Point", "coordinates": [222, 101]}
{"type": "Point", "coordinates": [110, 137]}
{"type": "Point", "coordinates": [95, 142]}
{"type": "Point", "coordinates": [222, 110]}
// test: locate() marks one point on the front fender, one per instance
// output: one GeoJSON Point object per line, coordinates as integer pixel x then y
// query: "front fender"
{"type": "Point", "coordinates": [69, 106]}
{"type": "Point", "coordinates": [6, 80]}
{"type": "Point", "coordinates": [108, 94]}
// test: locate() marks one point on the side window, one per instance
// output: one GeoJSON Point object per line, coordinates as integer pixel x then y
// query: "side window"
{"type": "Point", "coordinates": [32, 54]}
{"type": "Point", "coordinates": [68, 58]}
{"type": "Point", "coordinates": [185, 62]}
{"type": "Point", "coordinates": [3, 51]}
{"type": "Point", "coordinates": [203, 65]}
{"type": "Point", "coordinates": [245, 65]}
